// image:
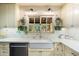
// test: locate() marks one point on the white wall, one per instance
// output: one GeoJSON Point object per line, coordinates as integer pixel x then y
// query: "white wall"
{"type": "Point", "coordinates": [70, 15]}
{"type": "Point", "coordinates": [40, 9]}
{"type": "Point", "coordinates": [7, 15]}
{"type": "Point", "coordinates": [11, 13]}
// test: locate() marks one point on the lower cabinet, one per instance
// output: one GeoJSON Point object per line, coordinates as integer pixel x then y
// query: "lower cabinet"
{"type": "Point", "coordinates": [40, 52]}
{"type": "Point", "coordinates": [4, 49]}
{"type": "Point", "coordinates": [70, 52]}
{"type": "Point", "coordinates": [67, 51]}
{"type": "Point", "coordinates": [58, 49]}
{"type": "Point", "coordinates": [74, 53]}
{"type": "Point", "coordinates": [62, 50]}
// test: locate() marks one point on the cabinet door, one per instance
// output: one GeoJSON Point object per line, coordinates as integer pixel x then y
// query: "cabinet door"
{"type": "Point", "coordinates": [40, 52]}
{"type": "Point", "coordinates": [58, 49]}
{"type": "Point", "coordinates": [4, 49]}
{"type": "Point", "coordinates": [35, 53]}
{"type": "Point", "coordinates": [74, 53]}
{"type": "Point", "coordinates": [68, 51]}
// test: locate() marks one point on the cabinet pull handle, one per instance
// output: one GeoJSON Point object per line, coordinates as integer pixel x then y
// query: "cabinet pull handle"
{"type": "Point", "coordinates": [74, 54]}
{"type": "Point", "coordinates": [62, 50]}
{"type": "Point", "coordinates": [57, 49]}
{"type": "Point", "coordinates": [40, 51]}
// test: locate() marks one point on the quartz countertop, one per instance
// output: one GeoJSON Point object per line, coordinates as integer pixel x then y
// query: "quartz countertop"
{"type": "Point", "coordinates": [29, 40]}
{"type": "Point", "coordinates": [72, 43]}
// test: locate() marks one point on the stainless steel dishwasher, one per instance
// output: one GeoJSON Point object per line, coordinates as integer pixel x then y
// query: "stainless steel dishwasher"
{"type": "Point", "coordinates": [18, 49]}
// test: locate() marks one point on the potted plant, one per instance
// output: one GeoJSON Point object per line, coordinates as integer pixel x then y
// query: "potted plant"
{"type": "Point", "coordinates": [58, 23]}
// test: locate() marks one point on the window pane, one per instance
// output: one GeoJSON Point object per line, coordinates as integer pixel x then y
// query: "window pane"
{"type": "Point", "coordinates": [49, 20]}
{"type": "Point", "coordinates": [37, 20]}
{"type": "Point", "coordinates": [31, 20]}
{"type": "Point", "coordinates": [43, 20]}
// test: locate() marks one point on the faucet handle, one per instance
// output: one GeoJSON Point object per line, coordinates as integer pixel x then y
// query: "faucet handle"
{"type": "Point", "coordinates": [60, 36]}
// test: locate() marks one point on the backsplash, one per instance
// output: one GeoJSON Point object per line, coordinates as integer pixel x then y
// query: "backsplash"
{"type": "Point", "coordinates": [14, 33]}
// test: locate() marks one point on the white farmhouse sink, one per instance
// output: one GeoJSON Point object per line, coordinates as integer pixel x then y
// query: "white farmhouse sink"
{"type": "Point", "coordinates": [41, 44]}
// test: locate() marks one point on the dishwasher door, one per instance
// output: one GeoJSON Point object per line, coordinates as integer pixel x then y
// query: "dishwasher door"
{"type": "Point", "coordinates": [18, 49]}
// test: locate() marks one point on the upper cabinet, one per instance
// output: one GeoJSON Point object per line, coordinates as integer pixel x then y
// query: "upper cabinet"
{"type": "Point", "coordinates": [70, 15]}
{"type": "Point", "coordinates": [7, 15]}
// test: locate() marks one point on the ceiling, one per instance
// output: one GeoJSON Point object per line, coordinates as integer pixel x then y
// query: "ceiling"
{"type": "Point", "coordinates": [42, 4]}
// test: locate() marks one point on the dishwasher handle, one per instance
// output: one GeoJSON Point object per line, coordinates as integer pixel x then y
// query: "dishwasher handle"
{"type": "Point", "coordinates": [18, 45]}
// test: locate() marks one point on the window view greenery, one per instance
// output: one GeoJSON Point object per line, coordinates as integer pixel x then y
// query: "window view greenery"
{"type": "Point", "coordinates": [40, 24]}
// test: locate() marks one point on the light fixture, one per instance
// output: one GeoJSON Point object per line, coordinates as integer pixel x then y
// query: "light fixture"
{"type": "Point", "coordinates": [31, 9]}
{"type": "Point", "coordinates": [49, 9]}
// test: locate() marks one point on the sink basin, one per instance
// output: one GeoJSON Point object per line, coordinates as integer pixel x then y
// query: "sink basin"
{"type": "Point", "coordinates": [41, 44]}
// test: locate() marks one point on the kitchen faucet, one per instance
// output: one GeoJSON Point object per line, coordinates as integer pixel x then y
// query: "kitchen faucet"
{"type": "Point", "coordinates": [65, 36]}
{"type": "Point", "coordinates": [37, 35]}
{"type": "Point", "coordinates": [40, 36]}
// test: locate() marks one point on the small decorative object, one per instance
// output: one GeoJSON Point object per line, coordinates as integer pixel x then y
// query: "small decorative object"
{"type": "Point", "coordinates": [37, 27]}
{"type": "Point", "coordinates": [21, 26]}
{"type": "Point", "coordinates": [58, 22]}
{"type": "Point", "coordinates": [31, 28]}
{"type": "Point", "coordinates": [22, 21]}
{"type": "Point", "coordinates": [48, 28]}
{"type": "Point", "coordinates": [43, 28]}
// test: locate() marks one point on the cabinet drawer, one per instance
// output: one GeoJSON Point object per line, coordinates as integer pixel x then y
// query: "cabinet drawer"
{"type": "Point", "coordinates": [34, 53]}
{"type": "Point", "coordinates": [4, 44]}
{"type": "Point", "coordinates": [4, 49]}
{"type": "Point", "coordinates": [4, 54]}
{"type": "Point", "coordinates": [40, 53]}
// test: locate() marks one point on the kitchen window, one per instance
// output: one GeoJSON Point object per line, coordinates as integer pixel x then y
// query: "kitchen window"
{"type": "Point", "coordinates": [40, 24]}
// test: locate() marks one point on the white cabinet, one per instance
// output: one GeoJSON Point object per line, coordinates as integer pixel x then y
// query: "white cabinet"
{"type": "Point", "coordinates": [40, 52]}
{"type": "Point", "coordinates": [34, 53]}
{"type": "Point", "coordinates": [74, 53]}
{"type": "Point", "coordinates": [70, 52]}
{"type": "Point", "coordinates": [67, 51]}
{"type": "Point", "coordinates": [70, 15]}
{"type": "Point", "coordinates": [63, 50]}
{"type": "Point", "coordinates": [4, 49]}
{"type": "Point", "coordinates": [58, 49]}
{"type": "Point", "coordinates": [7, 15]}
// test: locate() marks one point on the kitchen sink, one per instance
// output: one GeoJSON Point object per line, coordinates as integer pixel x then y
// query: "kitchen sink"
{"type": "Point", "coordinates": [41, 44]}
